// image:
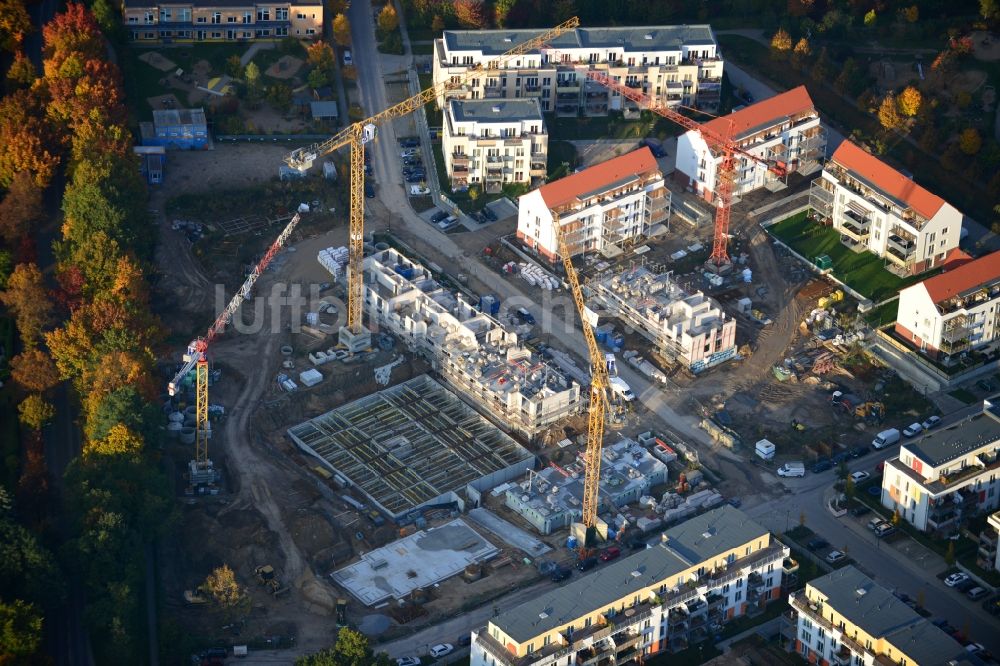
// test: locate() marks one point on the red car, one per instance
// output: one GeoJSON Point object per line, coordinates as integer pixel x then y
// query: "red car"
{"type": "Point", "coordinates": [610, 554]}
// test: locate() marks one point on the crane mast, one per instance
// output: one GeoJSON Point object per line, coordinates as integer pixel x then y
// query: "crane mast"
{"type": "Point", "coordinates": [353, 336]}
{"type": "Point", "coordinates": [196, 359]}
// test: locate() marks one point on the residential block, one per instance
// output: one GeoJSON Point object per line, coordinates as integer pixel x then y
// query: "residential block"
{"type": "Point", "coordinates": [672, 64]}
{"type": "Point", "coordinates": [221, 20]}
{"type": "Point", "coordinates": [492, 143]}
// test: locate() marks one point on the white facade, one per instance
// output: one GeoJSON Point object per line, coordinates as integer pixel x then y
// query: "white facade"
{"type": "Point", "coordinates": [948, 475]}
{"type": "Point", "coordinates": [673, 64]}
{"type": "Point", "coordinates": [472, 351]}
{"type": "Point", "coordinates": [955, 311]}
{"type": "Point", "coordinates": [877, 209]}
{"type": "Point", "coordinates": [492, 143]}
{"type": "Point", "coordinates": [783, 130]}
{"type": "Point", "coordinates": [600, 209]}
{"type": "Point", "coordinates": [688, 328]}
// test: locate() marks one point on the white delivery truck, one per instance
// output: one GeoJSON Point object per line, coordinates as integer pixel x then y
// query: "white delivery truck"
{"type": "Point", "coordinates": [620, 388]}
{"type": "Point", "coordinates": [764, 449]}
{"type": "Point", "coordinates": [886, 438]}
{"type": "Point", "coordinates": [792, 469]}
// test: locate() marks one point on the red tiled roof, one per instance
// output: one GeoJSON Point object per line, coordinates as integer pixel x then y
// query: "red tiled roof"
{"type": "Point", "coordinates": [765, 112]}
{"type": "Point", "coordinates": [565, 190]}
{"type": "Point", "coordinates": [853, 158]}
{"type": "Point", "coordinates": [967, 276]}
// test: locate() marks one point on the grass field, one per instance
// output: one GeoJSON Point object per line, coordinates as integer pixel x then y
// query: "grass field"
{"type": "Point", "coordinates": [862, 271]}
{"type": "Point", "coordinates": [560, 152]}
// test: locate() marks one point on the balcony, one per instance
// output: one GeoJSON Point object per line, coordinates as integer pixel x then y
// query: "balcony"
{"type": "Point", "coordinates": [567, 86]}
{"type": "Point", "coordinates": [459, 158]}
{"type": "Point", "coordinates": [855, 230]}
{"type": "Point", "coordinates": [852, 243]}
{"type": "Point", "coordinates": [904, 247]}
{"type": "Point", "coordinates": [492, 92]}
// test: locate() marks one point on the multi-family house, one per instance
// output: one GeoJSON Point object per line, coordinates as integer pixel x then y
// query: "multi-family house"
{"type": "Point", "coordinates": [846, 619]}
{"type": "Point", "coordinates": [988, 555]}
{"type": "Point", "coordinates": [221, 20]}
{"type": "Point", "coordinates": [956, 311]}
{"type": "Point", "coordinates": [492, 143]}
{"type": "Point", "coordinates": [704, 572]}
{"type": "Point", "coordinates": [673, 64]}
{"type": "Point", "coordinates": [947, 475]}
{"type": "Point", "coordinates": [783, 131]}
{"type": "Point", "coordinates": [880, 210]}
{"type": "Point", "coordinates": [600, 209]}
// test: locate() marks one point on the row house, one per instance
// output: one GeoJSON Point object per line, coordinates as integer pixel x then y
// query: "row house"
{"type": "Point", "coordinates": [673, 64]}
{"type": "Point", "coordinates": [221, 20]}
{"type": "Point", "coordinates": [705, 572]}
{"type": "Point", "coordinates": [880, 210]}
{"type": "Point", "coordinates": [492, 143]}
{"type": "Point", "coordinates": [948, 475]}
{"type": "Point", "coordinates": [955, 312]}
{"type": "Point", "coordinates": [603, 208]}
{"type": "Point", "coordinates": [783, 131]}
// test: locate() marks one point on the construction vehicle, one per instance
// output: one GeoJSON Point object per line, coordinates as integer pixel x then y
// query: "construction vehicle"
{"type": "Point", "coordinates": [196, 597]}
{"type": "Point", "coordinates": [353, 336]}
{"type": "Point", "coordinates": [717, 143]}
{"type": "Point", "coordinates": [267, 577]}
{"type": "Point", "coordinates": [200, 469]}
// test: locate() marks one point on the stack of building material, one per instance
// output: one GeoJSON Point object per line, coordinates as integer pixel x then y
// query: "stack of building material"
{"type": "Point", "coordinates": [310, 377]}
{"type": "Point", "coordinates": [334, 259]}
{"type": "Point", "coordinates": [536, 276]}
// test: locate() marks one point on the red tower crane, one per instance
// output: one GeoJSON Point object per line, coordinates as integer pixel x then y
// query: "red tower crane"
{"type": "Point", "coordinates": [718, 143]}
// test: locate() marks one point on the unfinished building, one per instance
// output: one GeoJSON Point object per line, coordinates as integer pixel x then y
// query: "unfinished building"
{"type": "Point", "coordinates": [412, 446]}
{"type": "Point", "coordinates": [686, 328]}
{"type": "Point", "coordinates": [472, 351]}
{"type": "Point", "coordinates": [553, 498]}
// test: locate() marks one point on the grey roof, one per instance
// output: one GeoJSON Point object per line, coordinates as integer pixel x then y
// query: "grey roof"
{"type": "Point", "coordinates": [942, 446]}
{"type": "Point", "coordinates": [324, 109]}
{"type": "Point", "coordinates": [206, 4]}
{"type": "Point", "coordinates": [662, 38]}
{"type": "Point", "coordinates": [686, 545]}
{"type": "Point", "coordinates": [881, 614]}
{"type": "Point", "coordinates": [495, 110]}
{"type": "Point", "coordinates": [163, 117]}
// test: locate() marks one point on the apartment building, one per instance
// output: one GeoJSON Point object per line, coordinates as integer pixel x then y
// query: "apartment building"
{"type": "Point", "coordinates": [221, 20]}
{"type": "Point", "coordinates": [492, 143]}
{"type": "Point", "coordinates": [953, 312]}
{"type": "Point", "coordinates": [847, 619]}
{"type": "Point", "coordinates": [880, 210]}
{"type": "Point", "coordinates": [600, 209]}
{"type": "Point", "coordinates": [704, 572]}
{"type": "Point", "coordinates": [784, 131]}
{"type": "Point", "coordinates": [947, 475]}
{"type": "Point", "coordinates": [672, 64]}
{"type": "Point", "coordinates": [988, 555]}
{"type": "Point", "coordinates": [687, 328]}
{"type": "Point", "coordinates": [473, 353]}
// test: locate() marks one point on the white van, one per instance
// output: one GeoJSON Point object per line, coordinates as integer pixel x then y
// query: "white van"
{"type": "Point", "coordinates": [620, 388]}
{"type": "Point", "coordinates": [792, 469]}
{"type": "Point", "coordinates": [885, 438]}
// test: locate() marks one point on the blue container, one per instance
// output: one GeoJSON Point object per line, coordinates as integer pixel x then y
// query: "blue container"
{"type": "Point", "coordinates": [571, 543]}
{"type": "Point", "coordinates": [495, 307]}
{"type": "Point", "coordinates": [618, 340]}
{"type": "Point", "coordinates": [602, 337]}
{"type": "Point", "coordinates": [611, 535]}
{"type": "Point", "coordinates": [405, 270]}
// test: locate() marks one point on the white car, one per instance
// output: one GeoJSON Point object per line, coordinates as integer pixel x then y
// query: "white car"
{"type": "Point", "coordinates": [348, 60]}
{"type": "Point", "coordinates": [407, 661]}
{"type": "Point", "coordinates": [835, 556]}
{"type": "Point", "coordinates": [858, 477]}
{"type": "Point", "coordinates": [408, 152]}
{"type": "Point", "coordinates": [441, 649]}
{"type": "Point", "coordinates": [931, 422]}
{"type": "Point", "coordinates": [956, 579]}
{"type": "Point", "coordinates": [419, 191]}
{"type": "Point", "coordinates": [913, 430]}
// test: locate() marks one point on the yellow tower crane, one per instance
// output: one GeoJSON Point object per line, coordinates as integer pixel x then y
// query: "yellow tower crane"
{"type": "Point", "coordinates": [353, 336]}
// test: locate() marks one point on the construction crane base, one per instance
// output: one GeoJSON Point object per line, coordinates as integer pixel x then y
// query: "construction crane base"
{"type": "Point", "coordinates": [201, 473]}
{"type": "Point", "coordinates": [354, 342]}
{"type": "Point", "coordinates": [718, 268]}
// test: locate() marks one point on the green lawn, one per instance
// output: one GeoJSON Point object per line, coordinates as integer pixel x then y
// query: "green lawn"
{"type": "Point", "coordinates": [612, 126]}
{"type": "Point", "coordinates": [883, 315]}
{"type": "Point", "coordinates": [560, 152]}
{"type": "Point", "coordinates": [862, 271]}
{"type": "Point", "coordinates": [421, 49]}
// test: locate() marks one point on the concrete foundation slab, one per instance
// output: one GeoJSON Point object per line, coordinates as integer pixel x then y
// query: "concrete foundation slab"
{"type": "Point", "coordinates": [510, 533]}
{"type": "Point", "coordinates": [417, 561]}
{"type": "Point", "coordinates": [355, 342]}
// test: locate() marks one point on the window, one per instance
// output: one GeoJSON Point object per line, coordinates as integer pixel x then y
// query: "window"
{"type": "Point", "coordinates": [310, 31]}
{"type": "Point", "coordinates": [739, 596]}
{"type": "Point", "coordinates": [231, 19]}
{"type": "Point", "coordinates": [300, 15]}
{"type": "Point", "coordinates": [248, 17]}
{"type": "Point", "coordinates": [216, 17]}
{"type": "Point", "coordinates": [133, 19]}
{"type": "Point", "coordinates": [148, 17]}
{"type": "Point", "coordinates": [263, 14]}
{"type": "Point", "coordinates": [531, 648]}
{"type": "Point", "coordinates": [200, 19]}
{"type": "Point", "coordinates": [281, 14]}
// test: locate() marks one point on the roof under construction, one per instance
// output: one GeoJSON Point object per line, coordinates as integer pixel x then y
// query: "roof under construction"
{"type": "Point", "coordinates": [412, 445]}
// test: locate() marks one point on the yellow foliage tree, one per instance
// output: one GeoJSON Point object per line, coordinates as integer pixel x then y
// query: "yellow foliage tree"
{"type": "Point", "coordinates": [222, 586]}
{"type": "Point", "coordinates": [888, 114]}
{"type": "Point", "coordinates": [35, 411]}
{"type": "Point", "coordinates": [781, 41]}
{"type": "Point", "coordinates": [341, 30]}
{"type": "Point", "coordinates": [120, 441]}
{"type": "Point", "coordinates": [909, 101]}
{"type": "Point", "coordinates": [387, 19]}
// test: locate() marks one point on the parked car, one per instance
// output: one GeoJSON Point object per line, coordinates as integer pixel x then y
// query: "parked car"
{"type": "Point", "coordinates": [931, 422]}
{"type": "Point", "coordinates": [408, 152]}
{"type": "Point", "coordinates": [884, 530]}
{"type": "Point", "coordinates": [965, 585]}
{"type": "Point", "coordinates": [525, 316]}
{"type": "Point", "coordinates": [416, 177]}
{"type": "Point", "coordinates": [408, 661]}
{"type": "Point", "coordinates": [822, 466]}
{"type": "Point", "coordinates": [735, 502]}
{"type": "Point", "coordinates": [858, 477]}
{"type": "Point", "coordinates": [369, 190]}
{"type": "Point", "coordinates": [977, 593]}
{"type": "Point", "coordinates": [835, 556]}
{"type": "Point", "coordinates": [442, 649]}
{"type": "Point", "coordinates": [817, 543]}
{"type": "Point", "coordinates": [447, 223]}
{"type": "Point", "coordinates": [409, 142]}
{"type": "Point", "coordinates": [612, 553]}
{"type": "Point", "coordinates": [560, 574]}
{"type": "Point", "coordinates": [956, 578]}
{"type": "Point", "coordinates": [875, 522]}
{"type": "Point", "coordinates": [489, 214]}
{"type": "Point", "coordinates": [984, 385]}
{"type": "Point", "coordinates": [587, 564]}
{"type": "Point", "coordinates": [860, 451]}
{"type": "Point", "coordinates": [415, 162]}
{"type": "Point", "coordinates": [438, 216]}
{"type": "Point", "coordinates": [913, 430]}
{"type": "Point", "coordinates": [419, 191]}
{"type": "Point", "coordinates": [464, 640]}
{"type": "Point", "coordinates": [348, 60]}
{"type": "Point", "coordinates": [860, 510]}
{"type": "Point", "coordinates": [975, 648]}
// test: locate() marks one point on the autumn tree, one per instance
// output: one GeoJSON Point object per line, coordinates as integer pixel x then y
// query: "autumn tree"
{"type": "Point", "coordinates": [252, 76]}
{"type": "Point", "coordinates": [222, 586]}
{"type": "Point", "coordinates": [909, 101]}
{"type": "Point", "coordinates": [888, 114]}
{"type": "Point", "coordinates": [25, 138]}
{"type": "Point", "coordinates": [351, 649]}
{"type": "Point", "coordinates": [870, 18]}
{"type": "Point", "coordinates": [989, 9]}
{"type": "Point", "coordinates": [22, 71]}
{"type": "Point", "coordinates": [317, 78]}
{"type": "Point", "coordinates": [470, 13]}
{"type": "Point", "coordinates": [120, 441]}
{"type": "Point", "coordinates": [501, 8]}
{"type": "Point", "coordinates": [910, 14]}
{"type": "Point", "coordinates": [34, 370]}
{"type": "Point", "coordinates": [20, 632]}
{"type": "Point", "coordinates": [106, 16]}
{"type": "Point", "coordinates": [14, 24]}
{"type": "Point", "coordinates": [341, 30]}
{"type": "Point", "coordinates": [71, 38]}
{"type": "Point", "coordinates": [35, 411]}
{"type": "Point", "coordinates": [234, 67]}
{"type": "Point", "coordinates": [969, 141]}
{"type": "Point", "coordinates": [21, 208]}
{"type": "Point", "coordinates": [320, 55]}
{"type": "Point", "coordinates": [781, 42]}
{"type": "Point", "coordinates": [28, 300]}
{"type": "Point", "coordinates": [801, 53]}
{"type": "Point", "coordinates": [437, 23]}
{"type": "Point", "coordinates": [387, 19]}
